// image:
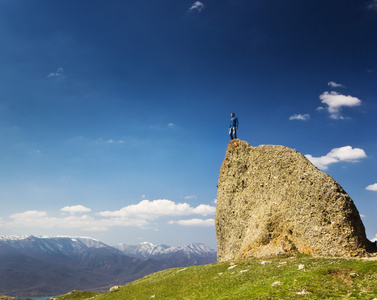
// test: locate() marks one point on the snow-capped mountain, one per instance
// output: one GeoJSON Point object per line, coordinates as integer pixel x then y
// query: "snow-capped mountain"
{"type": "Point", "coordinates": [58, 245]}
{"type": "Point", "coordinates": [193, 254]}
{"type": "Point", "coordinates": [40, 265]}
{"type": "Point", "coordinates": [37, 266]}
{"type": "Point", "coordinates": [143, 250]}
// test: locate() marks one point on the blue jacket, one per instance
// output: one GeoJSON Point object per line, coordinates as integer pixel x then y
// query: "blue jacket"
{"type": "Point", "coordinates": [233, 122]}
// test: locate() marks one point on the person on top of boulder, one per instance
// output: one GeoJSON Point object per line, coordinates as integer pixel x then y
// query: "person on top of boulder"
{"type": "Point", "coordinates": [233, 126]}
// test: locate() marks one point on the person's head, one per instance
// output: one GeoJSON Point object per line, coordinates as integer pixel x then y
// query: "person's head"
{"type": "Point", "coordinates": [232, 115]}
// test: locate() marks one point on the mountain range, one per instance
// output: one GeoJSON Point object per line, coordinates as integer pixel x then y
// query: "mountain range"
{"type": "Point", "coordinates": [190, 255]}
{"type": "Point", "coordinates": [39, 266]}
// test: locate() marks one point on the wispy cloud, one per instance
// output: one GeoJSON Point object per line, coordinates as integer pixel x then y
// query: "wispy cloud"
{"type": "Point", "coordinates": [346, 154]}
{"type": "Point", "coordinates": [111, 141]}
{"type": "Point", "coordinates": [195, 222]}
{"type": "Point", "coordinates": [335, 102]}
{"type": "Point", "coordinates": [301, 117]}
{"type": "Point", "coordinates": [335, 85]}
{"type": "Point", "coordinates": [198, 6]}
{"type": "Point", "coordinates": [372, 187]}
{"type": "Point", "coordinates": [58, 73]}
{"type": "Point", "coordinates": [373, 5]}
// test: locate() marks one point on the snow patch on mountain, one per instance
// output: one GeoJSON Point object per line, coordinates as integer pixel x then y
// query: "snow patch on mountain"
{"type": "Point", "coordinates": [63, 245]}
{"type": "Point", "coordinates": [149, 250]}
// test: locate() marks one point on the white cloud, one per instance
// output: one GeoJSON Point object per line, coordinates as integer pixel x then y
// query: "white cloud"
{"type": "Point", "coordinates": [138, 215]}
{"type": "Point", "coordinates": [75, 209]}
{"type": "Point", "coordinates": [30, 214]}
{"type": "Point", "coordinates": [40, 219]}
{"type": "Point", "coordinates": [372, 187]}
{"type": "Point", "coordinates": [153, 209]}
{"type": "Point", "coordinates": [336, 101]}
{"type": "Point", "coordinates": [197, 6]}
{"type": "Point", "coordinates": [346, 153]}
{"type": "Point", "coordinates": [300, 117]}
{"type": "Point", "coordinates": [171, 125]}
{"type": "Point", "coordinates": [204, 210]}
{"type": "Point", "coordinates": [334, 84]}
{"type": "Point", "coordinates": [195, 222]}
{"type": "Point", "coordinates": [58, 73]}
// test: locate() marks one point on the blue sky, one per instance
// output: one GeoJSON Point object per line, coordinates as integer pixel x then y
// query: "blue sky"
{"type": "Point", "coordinates": [114, 114]}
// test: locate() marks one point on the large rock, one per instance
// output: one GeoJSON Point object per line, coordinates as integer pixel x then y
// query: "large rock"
{"type": "Point", "coordinates": [273, 201]}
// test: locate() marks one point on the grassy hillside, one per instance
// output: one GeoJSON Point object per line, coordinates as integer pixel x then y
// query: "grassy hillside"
{"type": "Point", "coordinates": [282, 278]}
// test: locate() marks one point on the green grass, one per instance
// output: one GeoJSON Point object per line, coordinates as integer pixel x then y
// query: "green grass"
{"type": "Point", "coordinates": [280, 278]}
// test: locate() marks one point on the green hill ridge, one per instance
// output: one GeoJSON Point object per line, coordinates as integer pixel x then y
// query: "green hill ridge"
{"type": "Point", "coordinates": [302, 277]}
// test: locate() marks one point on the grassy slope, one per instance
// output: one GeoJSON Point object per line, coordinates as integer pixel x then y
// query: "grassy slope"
{"type": "Point", "coordinates": [281, 278]}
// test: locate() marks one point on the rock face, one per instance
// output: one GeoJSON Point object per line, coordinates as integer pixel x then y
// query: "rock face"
{"type": "Point", "coordinates": [273, 201]}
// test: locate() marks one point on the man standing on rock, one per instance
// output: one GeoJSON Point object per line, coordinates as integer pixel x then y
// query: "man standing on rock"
{"type": "Point", "coordinates": [233, 126]}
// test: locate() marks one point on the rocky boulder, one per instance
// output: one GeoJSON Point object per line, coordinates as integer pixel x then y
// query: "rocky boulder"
{"type": "Point", "coordinates": [273, 201]}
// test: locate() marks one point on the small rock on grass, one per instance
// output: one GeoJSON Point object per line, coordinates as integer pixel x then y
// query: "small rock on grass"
{"type": "Point", "coordinates": [277, 283]}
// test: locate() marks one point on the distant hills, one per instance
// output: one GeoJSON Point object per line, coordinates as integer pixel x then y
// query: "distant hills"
{"type": "Point", "coordinates": [40, 266]}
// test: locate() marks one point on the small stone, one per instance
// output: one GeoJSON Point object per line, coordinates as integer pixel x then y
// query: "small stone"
{"type": "Point", "coordinates": [303, 292]}
{"type": "Point", "coordinates": [243, 271]}
{"type": "Point", "coordinates": [265, 262]}
{"type": "Point", "coordinates": [353, 275]}
{"type": "Point", "coordinates": [114, 288]}
{"type": "Point", "coordinates": [153, 296]}
{"type": "Point", "coordinates": [182, 270]}
{"type": "Point", "coordinates": [232, 267]}
{"type": "Point", "coordinates": [277, 283]}
{"type": "Point", "coordinates": [301, 267]}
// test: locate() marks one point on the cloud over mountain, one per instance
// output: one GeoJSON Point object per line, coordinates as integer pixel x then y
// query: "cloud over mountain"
{"type": "Point", "coordinates": [138, 215]}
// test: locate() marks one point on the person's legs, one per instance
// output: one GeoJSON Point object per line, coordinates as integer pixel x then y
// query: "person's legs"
{"type": "Point", "coordinates": [232, 133]}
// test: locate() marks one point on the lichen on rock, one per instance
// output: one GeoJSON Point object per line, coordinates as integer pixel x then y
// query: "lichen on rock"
{"type": "Point", "coordinates": [273, 201]}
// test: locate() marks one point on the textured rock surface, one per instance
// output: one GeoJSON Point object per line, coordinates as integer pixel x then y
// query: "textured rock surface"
{"type": "Point", "coordinates": [273, 201]}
